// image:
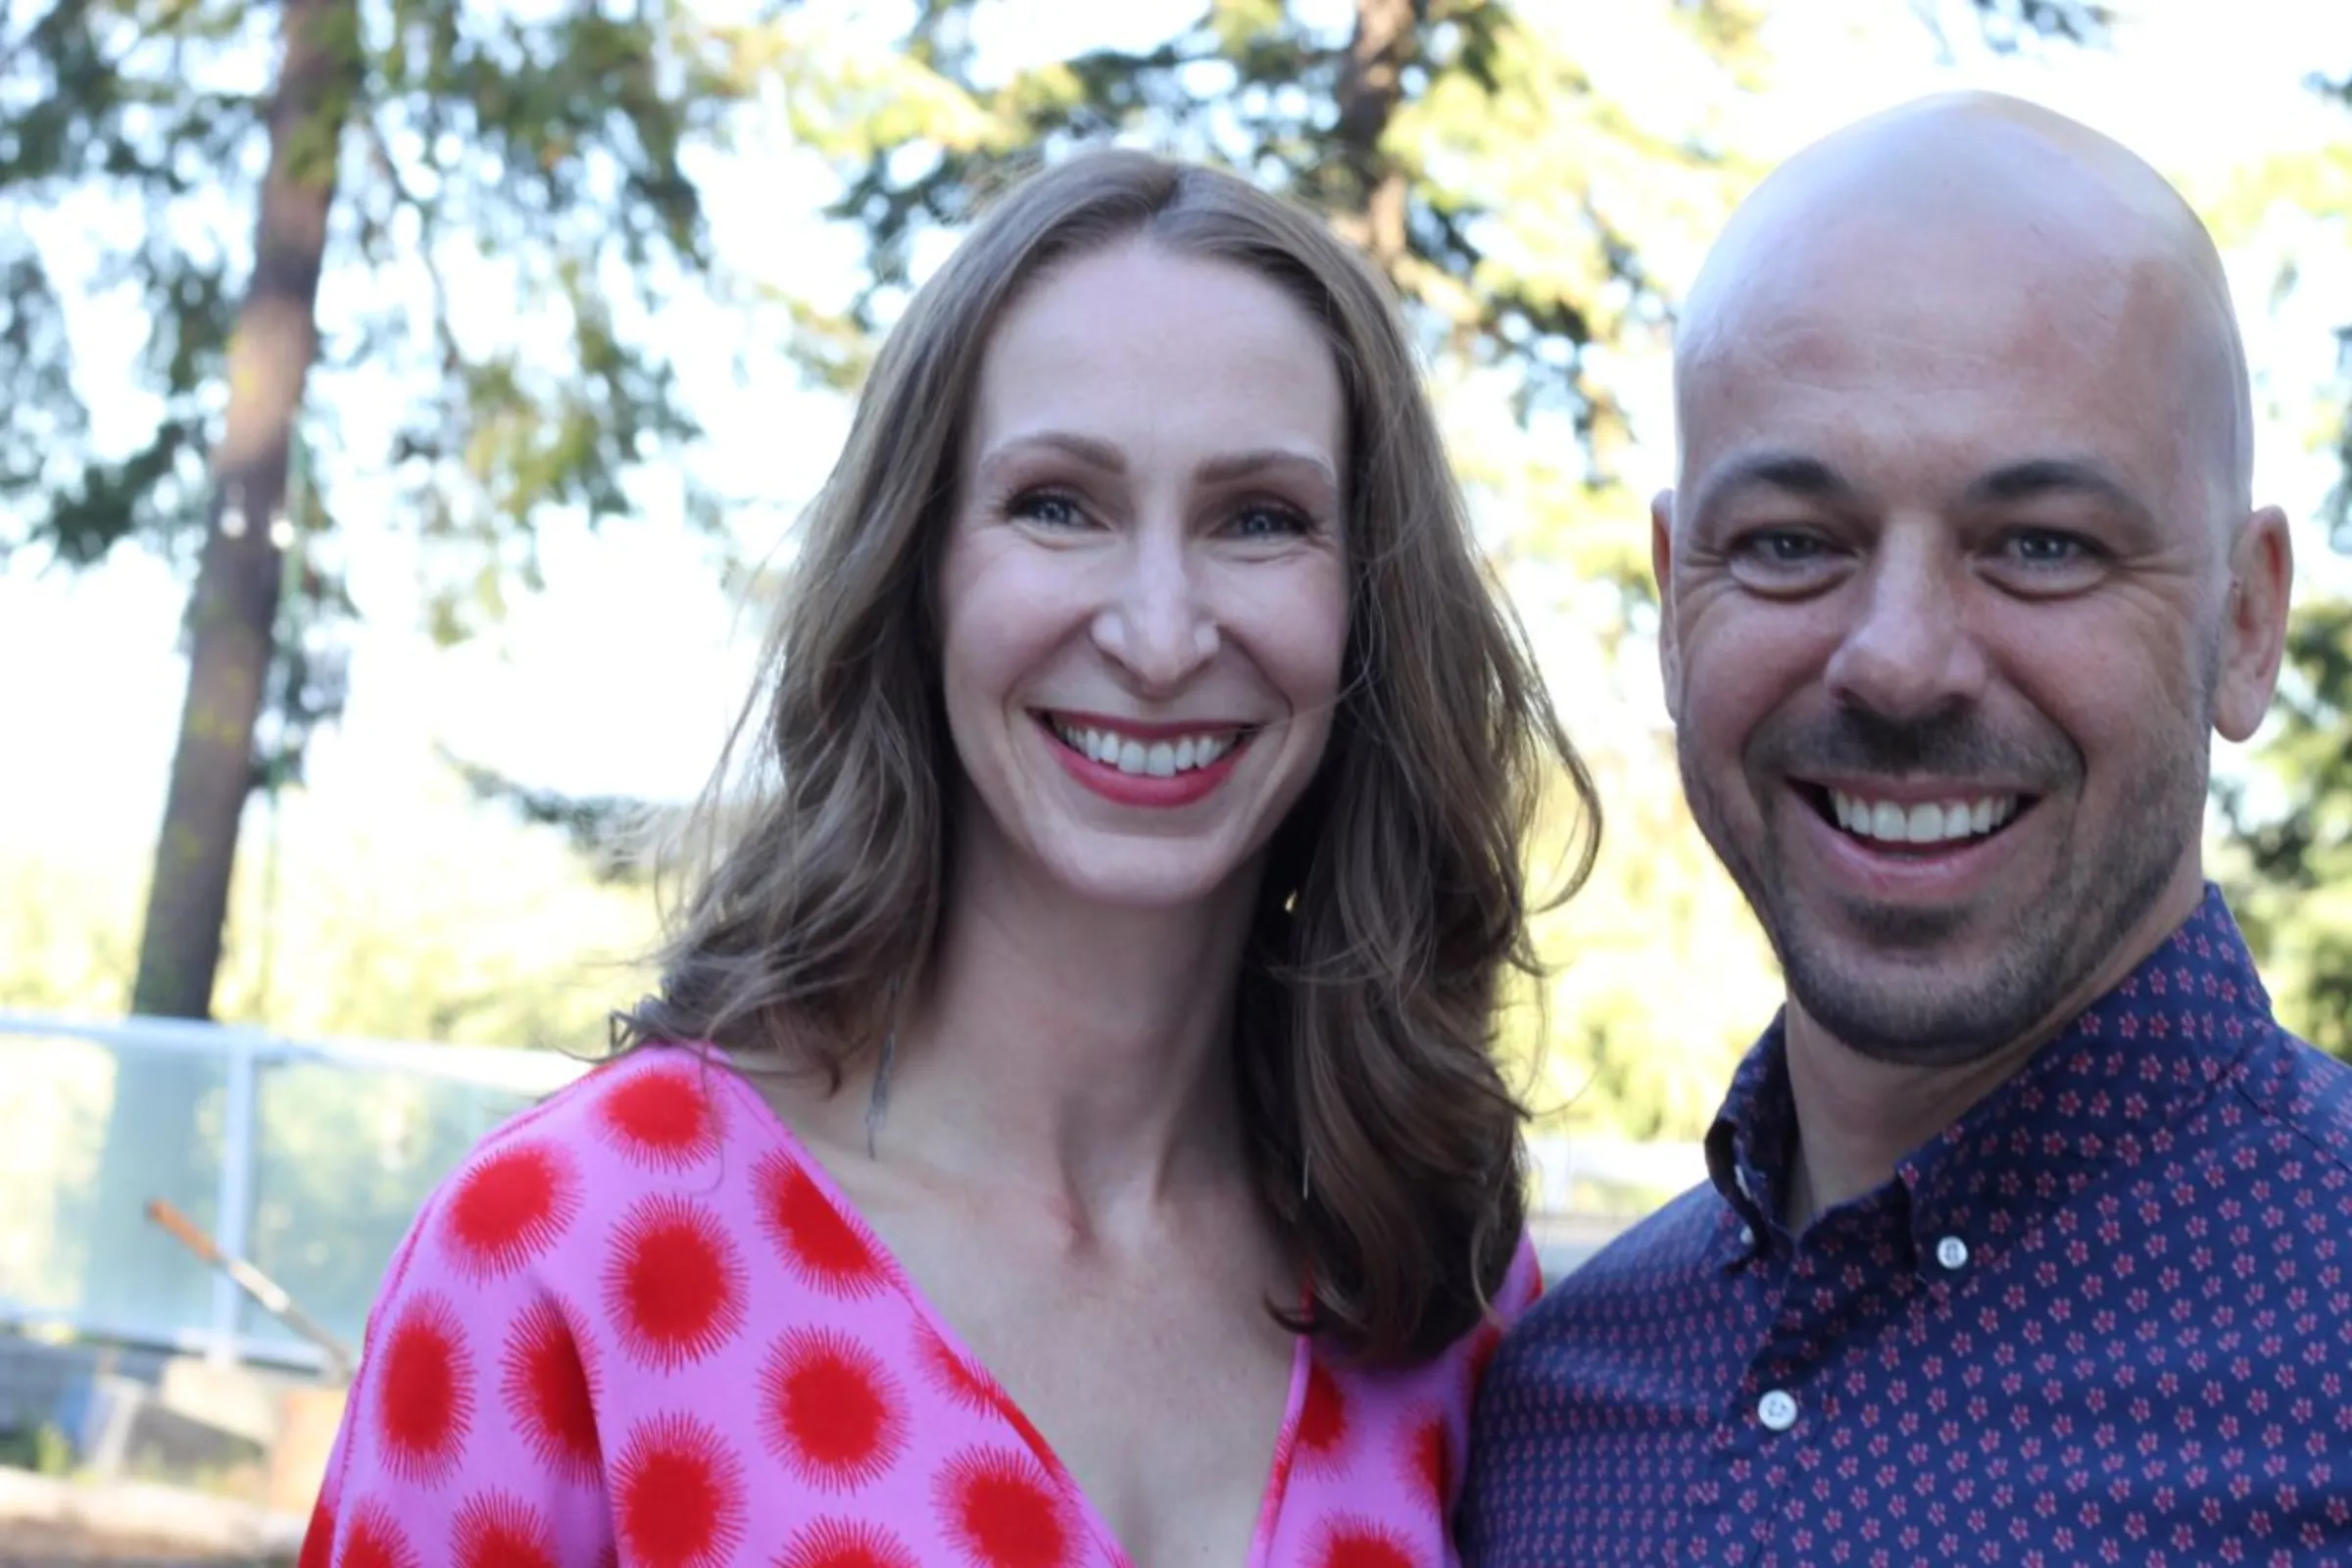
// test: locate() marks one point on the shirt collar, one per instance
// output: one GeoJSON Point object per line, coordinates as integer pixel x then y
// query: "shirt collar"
{"type": "Point", "coordinates": [2094, 1097]}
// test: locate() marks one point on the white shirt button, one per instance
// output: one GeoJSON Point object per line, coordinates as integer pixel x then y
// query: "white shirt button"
{"type": "Point", "coordinates": [1952, 1252]}
{"type": "Point", "coordinates": [1776, 1410]}
{"type": "Point", "coordinates": [1748, 1236]}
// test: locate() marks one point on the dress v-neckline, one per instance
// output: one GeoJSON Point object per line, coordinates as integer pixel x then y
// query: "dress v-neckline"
{"type": "Point", "coordinates": [935, 1322]}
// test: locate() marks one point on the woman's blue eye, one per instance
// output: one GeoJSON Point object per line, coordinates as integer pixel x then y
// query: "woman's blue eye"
{"type": "Point", "coordinates": [1049, 507]}
{"type": "Point", "coordinates": [1267, 522]}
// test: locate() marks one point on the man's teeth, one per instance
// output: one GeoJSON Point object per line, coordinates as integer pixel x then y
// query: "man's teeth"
{"type": "Point", "coordinates": [1147, 759]}
{"type": "Point", "coordinates": [1927, 822]}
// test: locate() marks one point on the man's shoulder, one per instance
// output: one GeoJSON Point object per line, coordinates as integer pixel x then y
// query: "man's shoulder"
{"type": "Point", "coordinates": [2302, 1091]}
{"type": "Point", "coordinates": [1662, 1252]}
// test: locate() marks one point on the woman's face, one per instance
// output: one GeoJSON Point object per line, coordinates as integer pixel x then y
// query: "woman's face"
{"type": "Point", "coordinates": [1143, 599]}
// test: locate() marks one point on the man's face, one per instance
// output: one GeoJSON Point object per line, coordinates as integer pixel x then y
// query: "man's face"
{"type": "Point", "coordinates": [1948, 627]}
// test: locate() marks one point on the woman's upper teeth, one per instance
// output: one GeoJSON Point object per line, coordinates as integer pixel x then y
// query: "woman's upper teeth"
{"type": "Point", "coordinates": [1155, 759]}
{"type": "Point", "coordinates": [1921, 821]}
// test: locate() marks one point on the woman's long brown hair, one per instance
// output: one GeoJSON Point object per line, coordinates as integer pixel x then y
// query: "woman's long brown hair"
{"type": "Point", "coordinates": [1395, 899]}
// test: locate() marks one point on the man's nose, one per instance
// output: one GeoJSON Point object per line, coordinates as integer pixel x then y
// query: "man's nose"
{"type": "Point", "coordinates": [1908, 651]}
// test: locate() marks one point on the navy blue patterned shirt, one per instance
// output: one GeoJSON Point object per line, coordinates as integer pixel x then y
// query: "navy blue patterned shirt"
{"type": "Point", "coordinates": [2106, 1317]}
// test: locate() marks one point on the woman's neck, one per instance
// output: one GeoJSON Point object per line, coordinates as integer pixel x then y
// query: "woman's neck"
{"type": "Point", "coordinates": [1075, 1052]}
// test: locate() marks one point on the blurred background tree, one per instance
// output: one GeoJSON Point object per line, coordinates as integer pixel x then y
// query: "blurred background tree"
{"type": "Point", "coordinates": [229, 164]}
{"type": "Point", "coordinates": [2286, 858]}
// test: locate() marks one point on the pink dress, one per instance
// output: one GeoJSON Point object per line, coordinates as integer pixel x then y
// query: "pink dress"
{"type": "Point", "coordinates": [641, 1326]}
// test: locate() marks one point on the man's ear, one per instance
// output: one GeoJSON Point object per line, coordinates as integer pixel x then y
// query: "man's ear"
{"type": "Point", "coordinates": [2261, 575]}
{"type": "Point", "coordinates": [1661, 566]}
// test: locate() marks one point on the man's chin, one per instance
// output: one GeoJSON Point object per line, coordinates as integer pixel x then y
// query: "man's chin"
{"type": "Point", "coordinates": [1904, 942]}
{"type": "Point", "coordinates": [1915, 1009]}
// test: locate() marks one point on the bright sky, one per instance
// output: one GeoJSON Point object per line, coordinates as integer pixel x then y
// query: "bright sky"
{"type": "Point", "coordinates": [622, 676]}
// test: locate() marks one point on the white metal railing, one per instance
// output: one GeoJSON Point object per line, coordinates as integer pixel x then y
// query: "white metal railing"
{"type": "Point", "coordinates": [48, 1056]}
{"type": "Point", "coordinates": [303, 1189]}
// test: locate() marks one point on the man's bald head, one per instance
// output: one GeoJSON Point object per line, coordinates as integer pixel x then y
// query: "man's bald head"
{"type": "Point", "coordinates": [1961, 574]}
{"type": "Point", "coordinates": [2034, 212]}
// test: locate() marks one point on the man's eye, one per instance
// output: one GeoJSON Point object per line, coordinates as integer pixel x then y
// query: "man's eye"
{"type": "Point", "coordinates": [1780, 547]}
{"type": "Point", "coordinates": [1784, 562]}
{"type": "Point", "coordinates": [1050, 508]}
{"type": "Point", "coordinates": [2046, 546]}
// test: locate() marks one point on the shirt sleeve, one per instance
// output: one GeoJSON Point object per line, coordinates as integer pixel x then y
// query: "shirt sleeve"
{"type": "Point", "coordinates": [471, 1429]}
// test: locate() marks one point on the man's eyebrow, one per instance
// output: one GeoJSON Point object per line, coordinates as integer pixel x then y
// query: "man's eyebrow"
{"type": "Point", "coordinates": [2042, 476]}
{"type": "Point", "coordinates": [1791, 472]}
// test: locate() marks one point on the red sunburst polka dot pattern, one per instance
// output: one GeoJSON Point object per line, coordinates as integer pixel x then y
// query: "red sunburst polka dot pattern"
{"type": "Point", "coordinates": [601, 1350]}
{"type": "Point", "coordinates": [509, 1208]}
{"type": "Point", "coordinates": [951, 1375]}
{"type": "Point", "coordinates": [549, 1398]}
{"type": "Point", "coordinates": [830, 1411]}
{"type": "Point", "coordinates": [677, 1493]}
{"type": "Point", "coordinates": [1322, 1421]}
{"type": "Point", "coordinates": [496, 1530]}
{"type": "Point", "coordinates": [375, 1541]}
{"type": "Point", "coordinates": [424, 1394]}
{"type": "Point", "coordinates": [317, 1538]}
{"type": "Point", "coordinates": [822, 1244]}
{"type": "Point", "coordinates": [1429, 1461]}
{"type": "Point", "coordinates": [659, 1116]}
{"type": "Point", "coordinates": [1355, 1543]}
{"type": "Point", "coordinates": [673, 1285]}
{"type": "Point", "coordinates": [848, 1543]}
{"type": "Point", "coordinates": [1003, 1510]}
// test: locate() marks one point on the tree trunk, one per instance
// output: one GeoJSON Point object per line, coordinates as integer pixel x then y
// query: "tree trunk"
{"type": "Point", "coordinates": [232, 621]}
{"type": "Point", "coordinates": [1387, 37]}
{"type": "Point", "coordinates": [153, 1147]}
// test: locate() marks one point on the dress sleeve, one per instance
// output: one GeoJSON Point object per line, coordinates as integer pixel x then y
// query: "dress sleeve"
{"type": "Point", "coordinates": [472, 1431]}
{"type": "Point", "coordinates": [1523, 1286]}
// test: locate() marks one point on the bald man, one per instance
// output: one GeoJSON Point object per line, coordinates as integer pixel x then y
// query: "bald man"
{"type": "Point", "coordinates": [2027, 1237]}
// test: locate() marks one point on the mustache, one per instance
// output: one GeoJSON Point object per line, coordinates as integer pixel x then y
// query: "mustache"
{"type": "Point", "coordinates": [1954, 742]}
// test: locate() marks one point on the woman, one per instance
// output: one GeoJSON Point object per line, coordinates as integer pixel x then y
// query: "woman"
{"type": "Point", "coordinates": [1091, 1149]}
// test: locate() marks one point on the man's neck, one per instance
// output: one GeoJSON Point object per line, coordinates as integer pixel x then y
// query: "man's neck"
{"type": "Point", "coordinates": [1857, 1117]}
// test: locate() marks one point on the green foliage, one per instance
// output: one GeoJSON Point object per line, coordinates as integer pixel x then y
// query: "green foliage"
{"type": "Point", "coordinates": [2290, 870]}
{"type": "Point", "coordinates": [2287, 856]}
{"type": "Point", "coordinates": [1660, 979]}
{"type": "Point", "coordinates": [544, 158]}
{"type": "Point", "coordinates": [1500, 189]}
{"type": "Point", "coordinates": [418, 916]}
{"type": "Point", "coordinates": [2011, 24]}
{"type": "Point", "coordinates": [410, 153]}
{"type": "Point", "coordinates": [603, 829]}
{"type": "Point", "coordinates": [41, 1447]}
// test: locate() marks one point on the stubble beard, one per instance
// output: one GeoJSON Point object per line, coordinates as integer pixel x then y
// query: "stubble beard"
{"type": "Point", "coordinates": [1902, 1002]}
